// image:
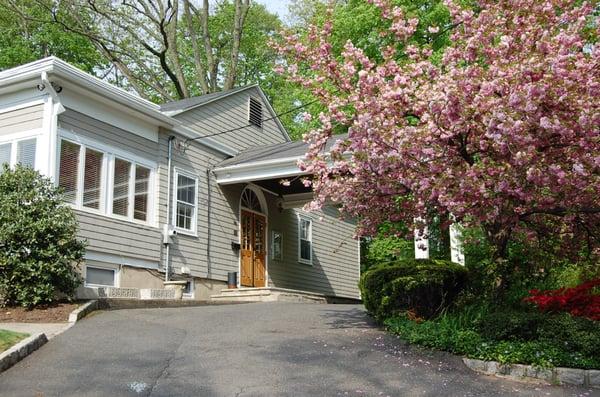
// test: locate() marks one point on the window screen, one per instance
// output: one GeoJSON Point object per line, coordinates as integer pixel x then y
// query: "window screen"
{"type": "Point", "coordinates": [142, 182]}
{"type": "Point", "coordinates": [92, 179]}
{"type": "Point", "coordinates": [69, 164]}
{"type": "Point", "coordinates": [5, 150]}
{"type": "Point", "coordinates": [26, 152]}
{"type": "Point", "coordinates": [255, 112]}
{"type": "Point", "coordinates": [99, 276]}
{"type": "Point", "coordinates": [121, 187]}
{"type": "Point", "coordinates": [186, 202]}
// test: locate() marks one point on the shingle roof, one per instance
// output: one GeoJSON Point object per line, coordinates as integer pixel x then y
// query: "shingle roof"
{"type": "Point", "coordinates": [274, 152]}
{"type": "Point", "coordinates": [188, 103]}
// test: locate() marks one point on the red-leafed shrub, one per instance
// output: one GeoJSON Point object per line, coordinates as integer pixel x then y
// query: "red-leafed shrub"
{"type": "Point", "coordinates": [579, 301]}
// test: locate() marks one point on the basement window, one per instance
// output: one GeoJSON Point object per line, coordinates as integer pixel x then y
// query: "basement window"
{"type": "Point", "coordinates": [99, 277]}
{"type": "Point", "coordinates": [255, 112]}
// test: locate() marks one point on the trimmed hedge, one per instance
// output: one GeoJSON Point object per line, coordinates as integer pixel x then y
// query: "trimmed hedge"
{"type": "Point", "coordinates": [423, 286]}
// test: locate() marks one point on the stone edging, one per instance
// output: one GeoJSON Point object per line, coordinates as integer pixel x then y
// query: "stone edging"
{"type": "Point", "coordinates": [83, 311]}
{"type": "Point", "coordinates": [21, 350]}
{"type": "Point", "coordinates": [559, 375]}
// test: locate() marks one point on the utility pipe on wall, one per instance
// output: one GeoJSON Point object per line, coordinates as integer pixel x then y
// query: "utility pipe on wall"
{"type": "Point", "coordinates": [168, 223]}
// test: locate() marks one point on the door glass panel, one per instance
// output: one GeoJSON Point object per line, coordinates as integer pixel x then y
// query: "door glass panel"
{"type": "Point", "coordinates": [259, 236]}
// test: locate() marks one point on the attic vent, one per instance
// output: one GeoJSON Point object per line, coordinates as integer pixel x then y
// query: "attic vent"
{"type": "Point", "coordinates": [255, 112]}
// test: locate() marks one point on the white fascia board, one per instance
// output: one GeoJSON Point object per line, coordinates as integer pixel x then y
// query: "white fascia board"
{"type": "Point", "coordinates": [258, 171]}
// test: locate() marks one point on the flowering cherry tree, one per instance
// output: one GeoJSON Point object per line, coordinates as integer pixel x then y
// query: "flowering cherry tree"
{"type": "Point", "coordinates": [503, 132]}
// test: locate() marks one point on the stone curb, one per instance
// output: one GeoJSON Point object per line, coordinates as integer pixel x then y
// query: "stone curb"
{"type": "Point", "coordinates": [559, 375]}
{"type": "Point", "coordinates": [21, 350]}
{"type": "Point", "coordinates": [83, 311]}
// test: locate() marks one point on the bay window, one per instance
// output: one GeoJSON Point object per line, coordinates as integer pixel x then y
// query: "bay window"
{"type": "Point", "coordinates": [185, 202]}
{"type": "Point", "coordinates": [95, 178]}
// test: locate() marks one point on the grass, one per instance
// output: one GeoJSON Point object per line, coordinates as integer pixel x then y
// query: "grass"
{"type": "Point", "coordinates": [9, 338]}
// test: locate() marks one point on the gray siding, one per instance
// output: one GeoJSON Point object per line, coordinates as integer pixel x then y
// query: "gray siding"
{"type": "Point", "coordinates": [221, 219]}
{"type": "Point", "coordinates": [103, 233]}
{"type": "Point", "coordinates": [232, 112]}
{"type": "Point", "coordinates": [24, 119]}
{"type": "Point", "coordinates": [335, 268]}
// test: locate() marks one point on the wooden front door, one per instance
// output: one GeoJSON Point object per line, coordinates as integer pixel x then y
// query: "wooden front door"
{"type": "Point", "coordinates": [253, 252]}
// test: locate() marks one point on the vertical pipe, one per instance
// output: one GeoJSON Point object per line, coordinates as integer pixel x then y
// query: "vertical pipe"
{"type": "Point", "coordinates": [208, 223]}
{"type": "Point", "coordinates": [168, 223]}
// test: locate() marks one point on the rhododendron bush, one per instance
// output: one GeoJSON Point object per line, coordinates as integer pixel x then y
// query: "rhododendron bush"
{"type": "Point", "coordinates": [502, 133]}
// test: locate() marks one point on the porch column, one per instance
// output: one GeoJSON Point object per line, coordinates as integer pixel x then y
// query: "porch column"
{"type": "Point", "coordinates": [457, 254]}
{"type": "Point", "coordinates": [421, 244]}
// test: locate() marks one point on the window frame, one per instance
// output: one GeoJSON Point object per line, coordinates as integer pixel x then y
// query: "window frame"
{"type": "Point", "coordinates": [14, 139]}
{"type": "Point", "coordinates": [101, 267]}
{"type": "Point", "coordinates": [310, 240]}
{"type": "Point", "coordinates": [107, 180]}
{"type": "Point", "coordinates": [273, 256]}
{"type": "Point", "coordinates": [189, 232]}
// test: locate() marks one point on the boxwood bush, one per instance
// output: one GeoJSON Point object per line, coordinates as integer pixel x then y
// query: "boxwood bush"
{"type": "Point", "coordinates": [38, 244]}
{"type": "Point", "coordinates": [423, 286]}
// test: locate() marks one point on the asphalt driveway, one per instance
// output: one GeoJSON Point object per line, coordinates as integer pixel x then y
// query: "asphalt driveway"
{"type": "Point", "coordinates": [269, 349]}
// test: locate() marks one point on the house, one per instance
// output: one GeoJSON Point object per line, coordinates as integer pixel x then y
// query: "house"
{"type": "Point", "coordinates": [189, 190]}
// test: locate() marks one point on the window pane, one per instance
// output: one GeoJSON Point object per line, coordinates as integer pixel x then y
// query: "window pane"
{"type": "Point", "coordinates": [97, 276]}
{"type": "Point", "coordinates": [67, 175]}
{"type": "Point", "coordinates": [277, 245]}
{"type": "Point", "coordinates": [304, 229]}
{"type": "Point", "coordinates": [186, 189]}
{"type": "Point", "coordinates": [121, 187]}
{"type": "Point", "coordinates": [92, 178]}
{"type": "Point", "coordinates": [305, 248]}
{"type": "Point", "coordinates": [26, 152]}
{"type": "Point", "coordinates": [4, 154]}
{"type": "Point", "coordinates": [185, 214]}
{"type": "Point", "coordinates": [140, 205]}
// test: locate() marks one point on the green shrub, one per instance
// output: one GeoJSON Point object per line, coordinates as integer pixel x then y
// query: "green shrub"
{"type": "Point", "coordinates": [38, 245]}
{"type": "Point", "coordinates": [510, 324]}
{"type": "Point", "coordinates": [424, 286]}
{"type": "Point", "coordinates": [575, 333]}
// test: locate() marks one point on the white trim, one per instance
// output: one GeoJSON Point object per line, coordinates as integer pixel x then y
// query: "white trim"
{"type": "Point", "coordinates": [271, 169]}
{"type": "Point", "coordinates": [301, 218]}
{"type": "Point", "coordinates": [22, 104]}
{"type": "Point", "coordinates": [120, 260]}
{"type": "Point", "coordinates": [194, 231]}
{"type": "Point", "coordinates": [14, 139]}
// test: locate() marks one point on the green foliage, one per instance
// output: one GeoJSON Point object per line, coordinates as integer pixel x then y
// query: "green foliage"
{"type": "Point", "coordinates": [423, 286]}
{"type": "Point", "coordinates": [28, 39]}
{"type": "Point", "coordinates": [475, 331]}
{"type": "Point", "coordinates": [38, 245]}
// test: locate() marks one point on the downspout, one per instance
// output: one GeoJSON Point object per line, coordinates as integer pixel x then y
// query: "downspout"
{"type": "Point", "coordinates": [208, 223]}
{"type": "Point", "coordinates": [167, 230]}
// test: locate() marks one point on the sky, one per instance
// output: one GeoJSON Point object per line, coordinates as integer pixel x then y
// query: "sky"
{"type": "Point", "coordinates": [276, 6]}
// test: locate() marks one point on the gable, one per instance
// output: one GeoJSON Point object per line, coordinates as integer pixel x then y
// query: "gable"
{"type": "Point", "coordinates": [231, 112]}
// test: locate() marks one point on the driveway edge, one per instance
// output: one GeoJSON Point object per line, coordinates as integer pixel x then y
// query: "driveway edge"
{"type": "Point", "coordinates": [570, 376]}
{"type": "Point", "coordinates": [21, 350]}
{"type": "Point", "coordinates": [83, 311]}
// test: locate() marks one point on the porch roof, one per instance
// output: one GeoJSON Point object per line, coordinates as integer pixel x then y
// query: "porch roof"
{"type": "Point", "coordinates": [266, 162]}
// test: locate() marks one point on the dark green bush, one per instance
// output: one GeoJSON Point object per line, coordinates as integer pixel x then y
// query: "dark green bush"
{"type": "Point", "coordinates": [421, 285]}
{"type": "Point", "coordinates": [509, 324]}
{"type": "Point", "coordinates": [38, 245]}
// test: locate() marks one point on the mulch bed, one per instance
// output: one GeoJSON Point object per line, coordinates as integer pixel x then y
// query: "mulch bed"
{"type": "Point", "coordinates": [55, 313]}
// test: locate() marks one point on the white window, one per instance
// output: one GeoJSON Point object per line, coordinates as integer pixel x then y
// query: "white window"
{"type": "Point", "coordinates": [304, 240]}
{"type": "Point", "coordinates": [100, 277]}
{"type": "Point", "coordinates": [276, 245]}
{"type": "Point", "coordinates": [18, 152]}
{"type": "Point", "coordinates": [124, 191]}
{"type": "Point", "coordinates": [185, 197]}
{"type": "Point", "coordinates": [255, 112]}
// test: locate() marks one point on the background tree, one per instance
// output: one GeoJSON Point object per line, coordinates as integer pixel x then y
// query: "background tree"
{"type": "Point", "coordinates": [38, 245]}
{"type": "Point", "coordinates": [500, 130]}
